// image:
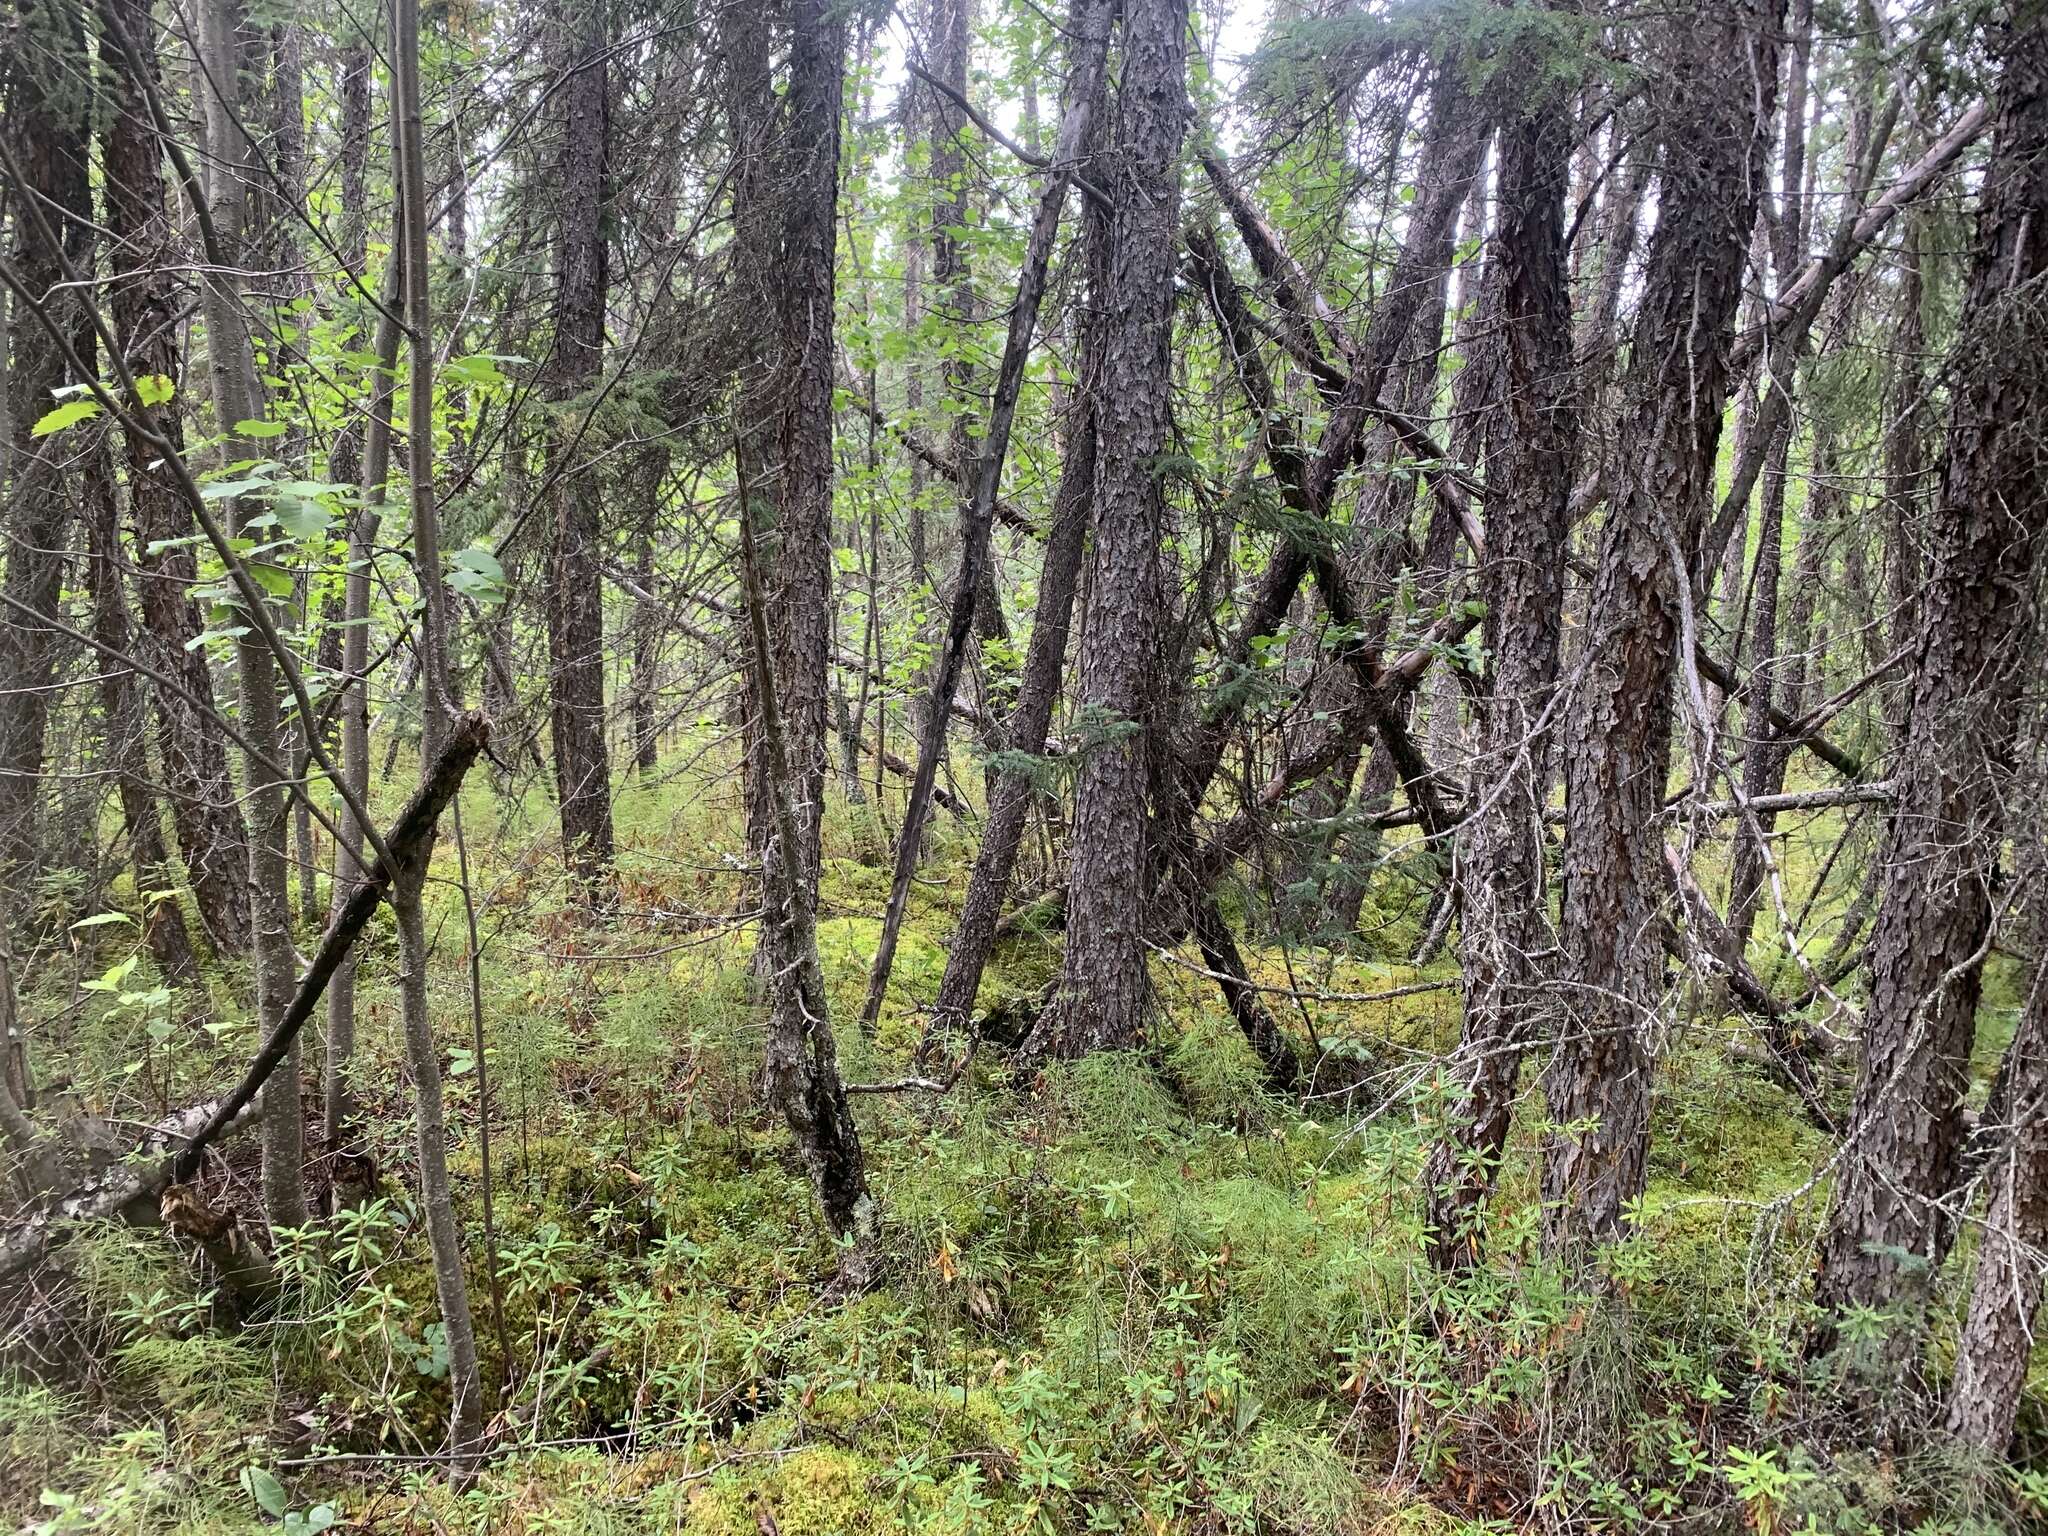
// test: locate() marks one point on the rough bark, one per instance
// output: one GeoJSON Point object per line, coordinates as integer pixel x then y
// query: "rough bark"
{"type": "Point", "coordinates": [801, 1067]}
{"type": "Point", "coordinates": [1002, 831]}
{"type": "Point", "coordinates": [145, 300]}
{"type": "Point", "coordinates": [1104, 998]}
{"type": "Point", "coordinates": [1998, 1335]}
{"type": "Point", "coordinates": [1091, 23]}
{"type": "Point", "coordinates": [1953, 777]}
{"type": "Point", "coordinates": [46, 124]}
{"type": "Point", "coordinates": [1521, 581]}
{"type": "Point", "coordinates": [127, 742]}
{"type": "Point", "coordinates": [574, 596]}
{"type": "Point", "coordinates": [1718, 69]}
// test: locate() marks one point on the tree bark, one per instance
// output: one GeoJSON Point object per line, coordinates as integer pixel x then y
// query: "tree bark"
{"type": "Point", "coordinates": [145, 301]}
{"type": "Point", "coordinates": [236, 400]}
{"type": "Point", "coordinates": [1521, 581]}
{"type": "Point", "coordinates": [1090, 26]}
{"type": "Point", "coordinates": [801, 1067]}
{"type": "Point", "coordinates": [364, 460]}
{"type": "Point", "coordinates": [127, 742]}
{"type": "Point", "coordinates": [1887, 1231]}
{"type": "Point", "coordinates": [437, 720]}
{"type": "Point", "coordinates": [46, 124]}
{"type": "Point", "coordinates": [1104, 998]}
{"type": "Point", "coordinates": [1719, 70]}
{"type": "Point", "coordinates": [1998, 1335]}
{"type": "Point", "coordinates": [575, 589]}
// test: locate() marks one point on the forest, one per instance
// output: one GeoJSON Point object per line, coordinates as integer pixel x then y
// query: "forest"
{"type": "Point", "coordinates": [900, 767]}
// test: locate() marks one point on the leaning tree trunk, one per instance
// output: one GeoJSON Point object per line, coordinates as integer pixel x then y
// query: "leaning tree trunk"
{"type": "Point", "coordinates": [575, 586]}
{"type": "Point", "coordinates": [1888, 1231]}
{"type": "Point", "coordinates": [1528, 519]}
{"type": "Point", "coordinates": [969, 589]}
{"type": "Point", "coordinates": [1719, 78]}
{"type": "Point", "coordinates": [1104, 998]}
{"type": "Point", "coordinates": [146, 298]}
{"type": "Point", "coordinates": [1016, 783]}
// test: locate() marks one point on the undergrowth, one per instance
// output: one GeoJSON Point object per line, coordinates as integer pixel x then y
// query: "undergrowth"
{"type": "Point", "coordinates": [1133, 1294]}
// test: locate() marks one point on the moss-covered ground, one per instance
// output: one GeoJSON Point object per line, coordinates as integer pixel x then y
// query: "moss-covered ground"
{"type": "Point", "coordinates": [1133, 1294]}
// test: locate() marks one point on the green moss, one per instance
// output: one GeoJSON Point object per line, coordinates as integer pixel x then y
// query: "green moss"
{"type": "Point", "coordinates": [818, 1491]}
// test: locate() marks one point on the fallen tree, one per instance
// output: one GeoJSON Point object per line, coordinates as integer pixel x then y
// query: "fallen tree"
{"type": "Point", "coordinates": [172, 1151]}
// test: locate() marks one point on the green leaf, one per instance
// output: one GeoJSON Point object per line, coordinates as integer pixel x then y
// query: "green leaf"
{"type": "Point", "coordinates": [235, 632]}
{"type": "Point", "coordinates": [154, 388]}
{"type": "Point", "coordinates": [254, 428]}
{"type": "Point", "coordinates": [103, 919]}
{"type": "Point", "coordinates": [274, 579]}
{"type": "Point", "coordinates": [477, 575]}
{"type": "Point", "coordinates": [266, 1490]}
{"type": "Point", "coordinates": [69, 414]}
{"type": "Point", "coordinates": [221, 490]}
{"type": "Point", "coordinates": [301, 516]}
{"type": "Point", "coordinates": [480, 370]}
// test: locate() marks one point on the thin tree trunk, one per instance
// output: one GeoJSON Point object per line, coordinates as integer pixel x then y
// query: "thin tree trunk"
{"type": "Point", "coordinates": [437, 719]}
{"type": "Point", "coordinates": [647, 621]}
{"type": "Point", "coordinates": [368, 470]}
{"type": "Point", "coordinates": [1002, 832]}
{"type": "Point", "coordinates": [236, 399]}
{"type": "Point", "coordinates": [46, 125]}
{"type": "Point", "coordinates": [1090, 25]}
{"type": "Point", "coordinates": [156, 883]}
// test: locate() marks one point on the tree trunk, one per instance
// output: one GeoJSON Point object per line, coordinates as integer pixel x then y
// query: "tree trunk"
{"type": "Point", "coordinates": [437, 721]}
{"type": "Point", "coordinates": [363, 459]}
{"type": "Point", "coordinates": [121, 702]}
{"type": "Point", "coordinates": [1719, 78]}
{"type": "Point", "coordinates": [46, 123]}
{"type": "Point", "coordinates": [1997, 1341]}
{"type": "Point", "coordinates": [1104, 999]}
{"type": "Point", "coordinates": [647, 620]}
{"type": "Point", "coordinates": [1521, 581]}
{"type": "Point", "coordinates": [575, 585]}
{"type": "Point", "coordinates": [145, 299]}
{"type": "Point", "coordinates": [1887, 1232]}
{"type": "Point", "coordinates": [236, 399]}
{"type": "Point", "coordinates": [1016, 785]}
{"type": "Point", "coordinates": [798, 553]}
{"type": "Point", "coordinates": [1090, 26]}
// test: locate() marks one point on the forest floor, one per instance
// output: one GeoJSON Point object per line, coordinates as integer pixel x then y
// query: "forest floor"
{"type": "Point", "coordinates": [1137, 1293]}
